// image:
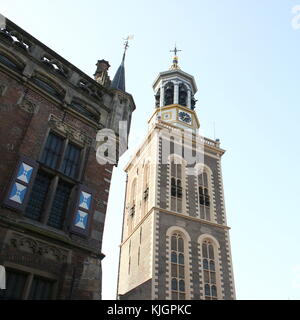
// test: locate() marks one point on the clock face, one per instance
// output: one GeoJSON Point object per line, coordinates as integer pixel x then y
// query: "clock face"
{"type": "Point", "coordinates": [185, 117]}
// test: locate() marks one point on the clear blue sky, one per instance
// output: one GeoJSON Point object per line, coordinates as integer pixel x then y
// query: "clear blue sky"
{"type": "Point", "coordinates": [245, 57]}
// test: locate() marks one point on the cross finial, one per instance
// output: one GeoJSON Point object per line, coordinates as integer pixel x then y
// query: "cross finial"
{"type": "Point", "coordinates": [175, 59]}
{"type": "Point", "coordinates": [175, 50]}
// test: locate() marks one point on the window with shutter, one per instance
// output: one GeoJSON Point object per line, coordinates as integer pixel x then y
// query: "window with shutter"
{"type": "Point", "coordinates": [83, 211]}
{"type": "Point", "coordinates": [21, 184]}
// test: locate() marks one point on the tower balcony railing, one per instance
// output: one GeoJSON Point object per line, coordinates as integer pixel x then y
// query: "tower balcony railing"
{"type": "Point", "coordinates": [205, 141]}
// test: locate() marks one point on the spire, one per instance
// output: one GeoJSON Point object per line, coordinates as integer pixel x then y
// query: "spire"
{"type": "Point", "coordinates": [175, 65]}
{"type": "Point", "coordinates": [119, 78]}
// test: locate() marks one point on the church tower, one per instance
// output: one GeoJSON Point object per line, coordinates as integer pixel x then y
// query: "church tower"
{"type": "Point", "coordinates": [175, 240]}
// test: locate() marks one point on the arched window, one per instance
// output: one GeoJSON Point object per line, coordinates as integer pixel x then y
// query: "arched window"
{"type": "Point", "coordinates": [209, 270]}
{"type": "Point", "coordinates": [204, 196]}
{"type": "Point", "coordinates": [182, 95]}
{"type": "Point", "coordinates": [178, 287]}
{"type": "Point", "coordinates": [169, 93]}
{"type": "Point", "coordinates": [49, 86]}
{"type": "Point", "coordinates": [176, 187]}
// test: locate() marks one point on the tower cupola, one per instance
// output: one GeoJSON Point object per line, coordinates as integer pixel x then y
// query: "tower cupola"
{"type": "Point", "coordinates": [175, 86]}
{"type": "Point", "coordinates": [174, 92]}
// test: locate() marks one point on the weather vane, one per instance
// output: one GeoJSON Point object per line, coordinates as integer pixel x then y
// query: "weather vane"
{"type": "Point", "coordinates": [126, 45]}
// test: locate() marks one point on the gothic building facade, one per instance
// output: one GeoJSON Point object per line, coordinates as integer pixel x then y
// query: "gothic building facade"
{"type": "Point", "coordinates": [175, 239]}
{"type": "Point", "coordinates": [53, 191]}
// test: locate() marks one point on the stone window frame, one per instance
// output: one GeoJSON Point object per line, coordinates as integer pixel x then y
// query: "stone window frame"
{"type": "Point", "coordinates": [56, 176]}
{"type": "Point", "coordinates": [30, 274]}
{"type": "Point", "coordinates": [187, 261]}
{"type": "Point", "coordinates": [217, 262]}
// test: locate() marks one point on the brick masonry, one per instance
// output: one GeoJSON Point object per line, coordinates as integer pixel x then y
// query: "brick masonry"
{"type": "Point", "coordinates": [25, 110]}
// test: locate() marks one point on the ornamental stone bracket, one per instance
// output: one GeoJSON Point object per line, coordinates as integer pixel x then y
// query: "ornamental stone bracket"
{"type": "Point", "coordinates": [69, 131]}
{"type": "Point", "coordinates": [40, 248]}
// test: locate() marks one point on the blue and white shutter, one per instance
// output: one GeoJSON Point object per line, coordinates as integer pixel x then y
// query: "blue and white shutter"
{"type": "Point", "coordinates": [83, 211]}
{"type": "Point", "coordinates": [21, 183]}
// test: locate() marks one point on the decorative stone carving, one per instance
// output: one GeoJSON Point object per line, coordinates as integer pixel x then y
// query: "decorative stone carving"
{"type": "Point", "coordinates": [29, 106]}
{"type": "Point", "coordinates": [20, 41]}
{"type": "Point", "coordinates": [123, 100]}
{"type": "Point", "coordinates": [55, 65]}
{"type": "Point", "coordinates": [10, 147]}
{"type": "Point", "coordinates": [37, 247]}
{"type": "Point", "coordinates": [69, 131]}
{"type": "Point", "coordinates": [90, 89]}
{"type": "Point", "coordinates": [3, 89]}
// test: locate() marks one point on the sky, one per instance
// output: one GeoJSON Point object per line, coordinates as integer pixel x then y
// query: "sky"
{"type": "Point", "coordinates": [245, 57]}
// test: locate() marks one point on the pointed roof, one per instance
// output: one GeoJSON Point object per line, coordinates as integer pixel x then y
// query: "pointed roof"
{"type": "Point", "coordinates": [119, 78]}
